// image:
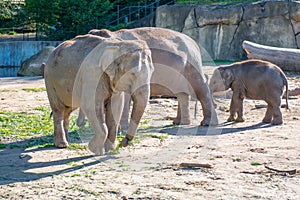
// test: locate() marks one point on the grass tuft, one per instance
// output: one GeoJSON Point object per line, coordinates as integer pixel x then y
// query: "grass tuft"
{"type": "Point", "coordinates": [41, 89]}
{"type": "Point", "coordinates": [255, 163]}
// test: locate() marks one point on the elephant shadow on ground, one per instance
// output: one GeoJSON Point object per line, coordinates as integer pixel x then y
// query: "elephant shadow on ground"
{"type": "Point", "coordinates": [211, 130]}
{"type": "Point", "coordinates": [19, 165]}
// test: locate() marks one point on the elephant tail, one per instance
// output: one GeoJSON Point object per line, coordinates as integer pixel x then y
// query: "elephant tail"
{"type": "Point", "coordinates": [285, 82]}
{"type": "Point", "coordinates": [195, 111]}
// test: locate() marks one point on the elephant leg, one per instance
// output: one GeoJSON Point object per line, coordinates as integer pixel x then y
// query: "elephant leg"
{"type": "Point", "coordinates": [113, 114]}
{"type": "Point", "coordinates": [58, 108]}
{"type": "Point", "coordinates": [125, 114]}
{"type": "Point", "coordinates": [232, 110]}
{"type": "Point", "coordinates": [140, 98]}
{"type": "Point", "coordinates": [202, 92]}
{"type": "Point", "coordinates": [60, 139]}
{"type": "Point", "coordinates": [96, 117]}
{"type": "Point", "coordinates": [277, 115]}
{"type": "Point", "coordinates": [183, 114]}
{"type": "Point", "coordinates": [80, 119]}
{"type": "Point", "coordinates": [240, 111]}
{"type": "Point", "coordinates": [209, 114]}
{"type": "Point", "coordinates": [67, 113]}
{"type": "Point", "coordinates": [268, 116]}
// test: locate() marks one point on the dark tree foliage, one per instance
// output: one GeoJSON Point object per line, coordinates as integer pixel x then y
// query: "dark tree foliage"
{"type": "Point", "coordinates": [9, 12]}
{"type": "Point", "coordinates": [64, 19]}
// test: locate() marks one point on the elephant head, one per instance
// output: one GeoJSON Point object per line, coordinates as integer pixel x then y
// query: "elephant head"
{"type": "Point", "coordinates": [221, 79]}
{"type": "Point", "coordinates": [129, 70]}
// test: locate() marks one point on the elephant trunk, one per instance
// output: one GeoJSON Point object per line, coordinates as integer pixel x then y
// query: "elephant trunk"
{"type": "Point", "coordinates": [140, 98]}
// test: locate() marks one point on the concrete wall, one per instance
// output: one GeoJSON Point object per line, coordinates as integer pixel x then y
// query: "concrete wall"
{"type": "Point", "coordinates": [13, 53]}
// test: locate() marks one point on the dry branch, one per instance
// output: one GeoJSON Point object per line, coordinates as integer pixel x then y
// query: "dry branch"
{"type": "Point", "coordinates": [291, 172]}
{"type": "Point", "coordinates": [195, 165]}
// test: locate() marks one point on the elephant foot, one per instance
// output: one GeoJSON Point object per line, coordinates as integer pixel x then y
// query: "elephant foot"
{"type": "Point", "coordinates": [61, 143]}
{"type": "Point", "coordinates": [240, 119]}
{"type": "Point", "coordinates": [276, 122]}
{"type": "Point", "coordinates": [108, 145]}
{"type": "Point", "coordinates": [177, 121]}
{"type": "Point", "coordinates": [209, 122]}
{"type": "Point", "coordinates": [126, 140]}
{"type": "Point", "coordinates": [95, 146]}
{"type": "Point", "coordinates": [231, 118]}
{"type": "Point", "coordinates": [267, 120]}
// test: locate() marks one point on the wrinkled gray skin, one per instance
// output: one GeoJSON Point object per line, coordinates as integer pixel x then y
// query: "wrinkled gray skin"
{"type": "Point", "coordinates": [253, 79]}
{"type": "Point", "coordinates": [92, 73]}
{"type": "Point", "coordinates": [178, 73]}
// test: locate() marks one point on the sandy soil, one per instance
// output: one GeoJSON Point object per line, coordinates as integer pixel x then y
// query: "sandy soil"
{"type": "Point", "coordinates": [151, 168]}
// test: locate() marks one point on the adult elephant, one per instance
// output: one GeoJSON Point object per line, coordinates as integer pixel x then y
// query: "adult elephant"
{"type": "Point", "coordinates": [92, 73]}
{"type": "Point", "coordinates": [178, 73]}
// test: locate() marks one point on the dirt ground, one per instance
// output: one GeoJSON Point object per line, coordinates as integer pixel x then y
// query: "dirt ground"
{"type": "Point", "coordinates": [151, 168]}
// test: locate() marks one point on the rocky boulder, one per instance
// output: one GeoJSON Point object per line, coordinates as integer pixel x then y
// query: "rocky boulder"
{"type": "Point", "coordinates": [221, 29]}
{"type": "Point", "coordinates": [33, 65]}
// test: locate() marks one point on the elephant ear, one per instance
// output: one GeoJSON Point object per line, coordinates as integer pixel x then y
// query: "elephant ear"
{"type": "Point", "coordinates": [108, 57]}
{"type": "Point", "coordinates": [227, 76]}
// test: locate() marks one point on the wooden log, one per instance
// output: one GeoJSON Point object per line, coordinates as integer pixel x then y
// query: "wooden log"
{"type": "Point", "coordinates": [287, 59]}
{"type": "Point", "coordinates": [294, 92]}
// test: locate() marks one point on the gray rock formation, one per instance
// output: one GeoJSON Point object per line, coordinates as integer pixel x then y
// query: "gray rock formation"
{"type": "Point", "coordinates": [33, 65]}
{"type": "Point", "coordinates": [221, 29]}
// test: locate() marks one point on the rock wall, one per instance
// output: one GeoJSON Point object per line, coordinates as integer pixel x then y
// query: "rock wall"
{"type": "Point", "coordinates": [221, 29]}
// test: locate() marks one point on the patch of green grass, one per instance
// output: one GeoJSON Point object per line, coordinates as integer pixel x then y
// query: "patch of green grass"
{"type": "Point", "coordinates": [74, 175]}
{"type": "Point", "coordinates": [2, 146]}
{"type": "Point", "coordinates": [76, 146]}
{"type": "Point", "coordinates": [144, 124]}
{"type": "Point", "coordinates": [7, 90]}
{"type": "Point", "coordinates": [36, 129]}
{"type": "Point", "coordinates": [23, 125]}
{"type": "Point", "coordinates": [74, 164]}
{"type": "Point", "coordinates": [119, 146]}
{"type": "Point", "coordinates": [41, 89]}
{"type": "Point", "coordinates": [42, 108]}
{"type": "Point", "coordinates": [237, 160]}
{"type": "Point", "coordinates": [121, 164]}
{"type": "Point", "coordinates": [40, 142]}
{"type": "Point", "coordinates": [255, 163]}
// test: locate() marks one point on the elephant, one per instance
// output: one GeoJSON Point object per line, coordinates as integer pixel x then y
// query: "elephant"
{"type": "Point", "coordinates": [177, 70]}
{"type": "Point", "coordinates": [254, 79]}
{"type": "Point", "coordinates": [92, 73]}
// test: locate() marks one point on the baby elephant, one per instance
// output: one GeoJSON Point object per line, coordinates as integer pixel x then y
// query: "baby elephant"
{"type": "Point", "coordinates": [253, 79]}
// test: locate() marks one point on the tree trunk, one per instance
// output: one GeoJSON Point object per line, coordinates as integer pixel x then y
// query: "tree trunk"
{"type": "Point", "coordinates": [286, 58]}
